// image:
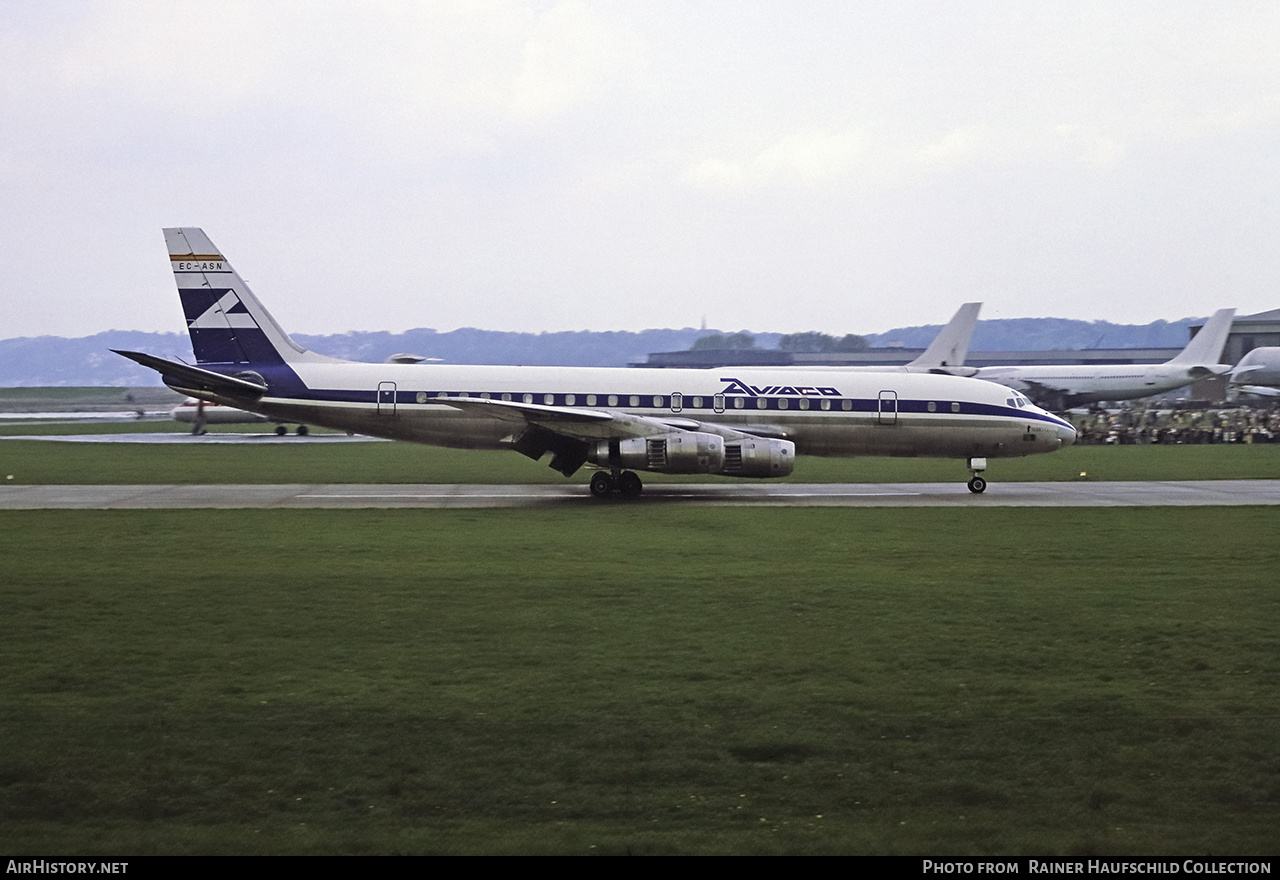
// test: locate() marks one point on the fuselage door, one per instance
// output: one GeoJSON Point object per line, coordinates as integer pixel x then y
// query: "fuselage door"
{"type": "Point", "coordinates": [888, 409]}
{"type": "Point", "coordinates": [386, 398]}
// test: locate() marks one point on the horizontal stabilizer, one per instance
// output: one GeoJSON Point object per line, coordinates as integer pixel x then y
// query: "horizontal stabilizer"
{"type": "Point", "coordinates": [190, 378]}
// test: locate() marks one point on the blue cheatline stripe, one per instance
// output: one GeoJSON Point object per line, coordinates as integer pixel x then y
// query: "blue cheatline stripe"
{"type": "Point", "coordinates": [772, 404]}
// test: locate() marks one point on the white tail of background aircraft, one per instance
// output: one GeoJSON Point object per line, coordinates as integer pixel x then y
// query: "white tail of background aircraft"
{"type": "Point", "coordinates": [945, 354]}
{"type": "Point", "coordinates": [738, 422]}
{"type": "Point", "coordinates": [951, 346]}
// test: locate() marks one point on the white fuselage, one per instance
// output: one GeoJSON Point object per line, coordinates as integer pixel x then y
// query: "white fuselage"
{"type": "Point", "coordinates": [822, 412]}
{"type": "Point", "coordinates": [1260, 367]}
{"type": "Point", "coordinates": [1063, 385]}
{"type": "Point", "coordinates": [191, 411]}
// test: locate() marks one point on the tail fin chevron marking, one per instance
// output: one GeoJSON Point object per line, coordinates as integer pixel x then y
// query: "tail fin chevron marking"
{"type": "Point", "coordinates": [226, 322]}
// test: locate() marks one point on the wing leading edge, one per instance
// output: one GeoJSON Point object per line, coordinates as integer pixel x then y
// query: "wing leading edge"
{"type": "Point", "coordinates": [576, 435]}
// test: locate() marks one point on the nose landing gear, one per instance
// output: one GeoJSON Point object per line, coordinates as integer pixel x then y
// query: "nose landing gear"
{"type": "Point", "coordinates": [977, 485]}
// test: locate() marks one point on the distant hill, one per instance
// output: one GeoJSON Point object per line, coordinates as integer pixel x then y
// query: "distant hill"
{"type": "Point", "coordinates": [87, 360]}
{"type": "Point", "coordinates": [1050, 334]}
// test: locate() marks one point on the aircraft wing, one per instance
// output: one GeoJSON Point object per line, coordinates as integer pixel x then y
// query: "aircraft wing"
{"type": "Point", "coordinates": [1263, 391]}
{"type": "Point", "coordinates": [576, 422]}
{"type": "Point", "coordinates": [1242, 369]}
{"type": "Point", "coordinates": [189, 378]}
{"type": "Point", "coordinates": [567, 432]}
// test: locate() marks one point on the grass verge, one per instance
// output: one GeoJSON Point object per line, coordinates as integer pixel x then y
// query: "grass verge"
{"type": "Point", "coordinates": [303, 461]}
{"type": "Point", "coordinates": [748, 681]}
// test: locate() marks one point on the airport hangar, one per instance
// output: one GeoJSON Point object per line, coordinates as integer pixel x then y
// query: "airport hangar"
{"type": "Point", "coordinates": [1247, 333]}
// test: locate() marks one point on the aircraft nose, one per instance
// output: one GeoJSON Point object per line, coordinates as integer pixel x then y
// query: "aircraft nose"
{"type": "Point", "coordinates": [1066, 434]}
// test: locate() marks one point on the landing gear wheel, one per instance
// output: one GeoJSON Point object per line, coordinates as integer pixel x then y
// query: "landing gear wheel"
{"type": "Point", "coordinates": [281, 430]}
{"type": "Point", "coordinates": [629, 485]}
{"type": "Point", "coordinates": [977, 485]}
{"type": "Point", "coordinates": [302, 431]}
{"type": "Point", "coordinates": [601, 484]}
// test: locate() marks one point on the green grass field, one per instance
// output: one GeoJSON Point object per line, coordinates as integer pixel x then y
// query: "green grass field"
{"type": "Point", "coordinates": [1031, 681]}
{"type": "Point", "coordinates": [303, 461]}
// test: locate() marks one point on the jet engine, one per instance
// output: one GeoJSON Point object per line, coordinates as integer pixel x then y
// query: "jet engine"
{"type": "Point", "coordinates": [694, 452]}
{"type": "Point", "coordinates": [683, 452]}
{"type": "Point", "coordinates": [758, 457]}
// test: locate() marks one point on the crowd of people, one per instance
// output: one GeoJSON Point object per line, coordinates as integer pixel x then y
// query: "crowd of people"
{"type": "Point", "coordinates": [1147, 423]}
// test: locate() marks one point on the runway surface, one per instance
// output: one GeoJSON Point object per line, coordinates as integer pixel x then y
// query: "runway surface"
{"type": "Point", "coordinates": [354, 496]}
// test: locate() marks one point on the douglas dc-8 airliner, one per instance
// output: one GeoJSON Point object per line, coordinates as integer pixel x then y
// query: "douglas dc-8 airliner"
{"type": "Point", "coordinates": [735, 422]}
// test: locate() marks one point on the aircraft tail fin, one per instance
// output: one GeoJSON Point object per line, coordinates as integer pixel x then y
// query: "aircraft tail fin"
{"type": "Point", "coordinates": [1205, 348]}
{"type": "Point", "coordinates": [226, 322]}
{"type": "Point", "coordinates": [951, 346]}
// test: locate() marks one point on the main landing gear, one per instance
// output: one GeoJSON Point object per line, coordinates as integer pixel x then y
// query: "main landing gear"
{"type": "Point", "coordinates": [977, 485]}
{"type": "Point", "coordinates": [626, 482]}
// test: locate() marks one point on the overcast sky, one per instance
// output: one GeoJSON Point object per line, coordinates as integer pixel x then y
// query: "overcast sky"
{"type": "Point", "coordinates": [841, 166]}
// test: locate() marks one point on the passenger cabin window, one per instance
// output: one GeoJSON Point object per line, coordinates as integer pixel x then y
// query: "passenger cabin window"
{"type": "Point", "coordinates": [955, 407]}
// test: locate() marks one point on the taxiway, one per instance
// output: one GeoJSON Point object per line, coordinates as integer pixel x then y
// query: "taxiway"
{"type": "Point", "coordinates": [354, 496]}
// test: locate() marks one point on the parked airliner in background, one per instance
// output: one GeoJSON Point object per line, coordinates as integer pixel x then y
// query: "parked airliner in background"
{"type": "Point", "coordinates": [1058, 387]}
{"type": "Point", "coordinates": [1258, 373]}
{"type": "Point", "coordinates": [200, 413]}
{"type": "Point", "coordinates": [733, 422]}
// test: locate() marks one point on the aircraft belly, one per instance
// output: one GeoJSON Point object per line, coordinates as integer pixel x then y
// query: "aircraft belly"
{"type": "Point", "coordinates": [910, 438]}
